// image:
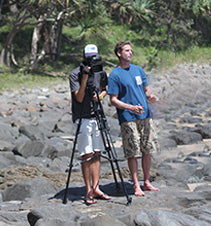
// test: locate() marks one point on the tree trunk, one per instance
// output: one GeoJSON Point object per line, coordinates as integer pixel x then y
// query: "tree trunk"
{"type": "Point", "coordinates": [35, 39]}
{"type": "Point", "coordinates": [5, 53]}
{"type": "Point", "coordinates": [1, 4]}
{"type": "Point", "coordinates": [5, 57]}
{"type": "Point", "coordinates": [52, 40]}
{"type": "Point", "coordinates": [55, 36]}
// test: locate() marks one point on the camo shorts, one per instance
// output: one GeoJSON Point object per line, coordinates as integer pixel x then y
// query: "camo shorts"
{"type": "Point", "coordinates": [138, 136]}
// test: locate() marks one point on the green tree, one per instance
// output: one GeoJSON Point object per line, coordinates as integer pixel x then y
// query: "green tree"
{"type": "Point", "coordinates": [128, 10]}
{"type": "Point", "coordinates": [47, 17]}
{"type": "Point", "coordinates": [178, 24]}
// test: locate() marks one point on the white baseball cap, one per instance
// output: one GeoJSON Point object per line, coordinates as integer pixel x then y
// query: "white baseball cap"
{"type": "Point", "coordinates": [90, 50]}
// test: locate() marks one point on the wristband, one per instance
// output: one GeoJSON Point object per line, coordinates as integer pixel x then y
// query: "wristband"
{"type": "Point", "coordinates": [150, 98]}
{"type": "Point", "coordinates": [101, 96]}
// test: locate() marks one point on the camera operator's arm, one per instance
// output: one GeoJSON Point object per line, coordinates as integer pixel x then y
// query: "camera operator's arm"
{"type": "Point", "coordinates": [101, 95]}
{"type": "Point", "coordinates": [79, 94]}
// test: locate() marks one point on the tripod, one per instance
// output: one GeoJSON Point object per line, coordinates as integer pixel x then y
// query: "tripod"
{"type": "Point", "coordinates": [107, 142]}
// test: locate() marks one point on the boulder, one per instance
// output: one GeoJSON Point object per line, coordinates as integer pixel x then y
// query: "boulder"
{"type": "Point", "coordinates": [28, 188]}
{"type": "Point", "coordinates": [164, 217]}
{"type": "Point", "coordinates": [32, 132]}
{"type": "Point", "coordinates": [56, 212]}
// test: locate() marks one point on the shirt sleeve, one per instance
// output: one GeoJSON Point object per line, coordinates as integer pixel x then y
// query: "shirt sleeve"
{"type": "Point", "coordinates": [74, 80]}
{"type": "Point", "coordinates": [113, 86]}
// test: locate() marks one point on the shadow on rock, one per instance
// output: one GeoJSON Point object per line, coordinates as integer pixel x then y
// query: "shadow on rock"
{"type": "Point", "coordinates": [111, 189]}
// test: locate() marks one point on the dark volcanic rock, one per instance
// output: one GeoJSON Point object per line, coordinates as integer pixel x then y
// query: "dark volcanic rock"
{"type": "Point", "coordinates": [185, 137]}
{"type": "Point", "coordinates": [57, 213]}
{"type": "Point", "coordinates": [164, 217]}
{"type": "Point", "coordinates": [36, 142]}
{"type": "Point", "coordinates": [28, 188]}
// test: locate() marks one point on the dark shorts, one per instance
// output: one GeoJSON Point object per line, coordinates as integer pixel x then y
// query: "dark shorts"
{"type": "Point", "coordinates": [138, 136]}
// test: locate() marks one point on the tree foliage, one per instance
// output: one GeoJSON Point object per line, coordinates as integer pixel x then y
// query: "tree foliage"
{"type": "Point", "coordinates": [176, 24]}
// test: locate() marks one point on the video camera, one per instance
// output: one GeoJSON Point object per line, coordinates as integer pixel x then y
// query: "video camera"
{"type": "Point", "coordinates": [94, 62]}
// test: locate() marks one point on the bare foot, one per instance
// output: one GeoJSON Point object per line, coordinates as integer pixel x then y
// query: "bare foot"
{"type": "Point", "coordinates": [149, 187]}
{"type": "Point", "coordinates": [138, 191]}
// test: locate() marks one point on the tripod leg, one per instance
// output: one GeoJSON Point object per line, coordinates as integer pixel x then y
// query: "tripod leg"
{"type": "Point", "coordinates": [129, 199]}
{"type": "Point", "coordinates": [71, 163]}
{"type": "Point", "coordinates": [99, 115]}
{"type": "Point", "coordinates": [112, 168]}
{"type": "Point", "coordinates": [113, 158]}
{"type": "Point", "coordinates": [107, 141]}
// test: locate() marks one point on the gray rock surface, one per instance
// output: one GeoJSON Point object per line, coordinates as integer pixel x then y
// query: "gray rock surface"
{"type": "Point", "coordinates": [28, 189]}
{"type": "Point", "coordinates": [36, 141]}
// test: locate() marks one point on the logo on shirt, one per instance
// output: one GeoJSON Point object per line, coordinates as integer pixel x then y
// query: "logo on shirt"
{"type": "Point", "coordinates": [138, 80]}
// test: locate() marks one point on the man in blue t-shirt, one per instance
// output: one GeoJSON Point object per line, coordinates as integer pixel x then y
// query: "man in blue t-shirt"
{"type": "Point", "coordinates": [129, 93]}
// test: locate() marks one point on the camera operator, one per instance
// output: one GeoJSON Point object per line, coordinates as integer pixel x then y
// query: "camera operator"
{"type": "Point", "coordinates": [85, 82]}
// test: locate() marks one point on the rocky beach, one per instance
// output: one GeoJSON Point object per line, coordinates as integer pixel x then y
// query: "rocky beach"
{"type": "Point", "coordinates": [36, 142]}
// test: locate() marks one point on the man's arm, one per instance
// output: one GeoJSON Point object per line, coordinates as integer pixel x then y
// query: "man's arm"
{"type": "Point", "coordinates": [79, 94]}
{"type": "Point", "coordinates": [150, 96]}
{"type": "Point", "coordinates": [103, 93]}
{"type": "Point", "coordinates": [121, 105]}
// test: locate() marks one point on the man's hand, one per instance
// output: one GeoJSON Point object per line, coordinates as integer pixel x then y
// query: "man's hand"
{"type": "Point", "coordinates": [86, 70]}
{"type": "Point", "coordinates": [95, 97]}
{"type": "Point", "coordinates": [152, 98]}
{"type": "Point", "coordinates": [138, 109]}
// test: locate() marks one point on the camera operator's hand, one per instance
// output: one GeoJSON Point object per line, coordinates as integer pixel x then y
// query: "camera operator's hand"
{"type": "Point", "coordinates": [95, 97]}
{"type": "Point", "coordinates": [86, 70]}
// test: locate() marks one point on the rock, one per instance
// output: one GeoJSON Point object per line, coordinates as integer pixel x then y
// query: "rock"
{"type": "Point", "coordinates": [7, 133]}
{"type": "Point", "coordinates": [167, 143]}
{"type": "Point", "coordinates": [30, 148]}
{"type": "Point", "coordinates": [55, 213]}
{"type": "Point", "coordinates": [204, 172]}
{"type": "Point", "coordinates": [103, 220]}
{"type": "Point", "coordinates": [6, 146]}
{"type": "Point", "coordinates": [32, 132]}
{"type": "Point", "coordinates": [28, 188]}
{"type": "Point", "coordinates": [114, 127]}
{"type": "Point", "coordinates": [37, 137]}
{"type": "Point", "coordinates": [204, 130]}
{"type": "Point", "coordinates": [190, 119]}
{"type": "Point", "coordinates": [60, 164]}
{"type": "Point", "coordinates": [11, 215]}
{"type": "Point", "coordinates": [4, 162]}
{"type": "Point", "coordinates": [202, 214]}
{"type": "Point", "coordinates": [160, 218]}
{"type": "Point", "coordinates": [185, 137]}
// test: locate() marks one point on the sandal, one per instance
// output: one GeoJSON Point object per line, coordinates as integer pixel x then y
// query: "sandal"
{"type": "Point", "coordinates": [102, 196]}
{"type": "Point", "coordinates": [90, 199]}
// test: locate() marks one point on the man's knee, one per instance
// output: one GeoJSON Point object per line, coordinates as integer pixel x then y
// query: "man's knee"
{"type": "Point", "coordinates": [87, 156]}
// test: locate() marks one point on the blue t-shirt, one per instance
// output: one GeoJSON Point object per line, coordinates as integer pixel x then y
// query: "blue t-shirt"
{"type": "Point", "coordinates": [129, 85]}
